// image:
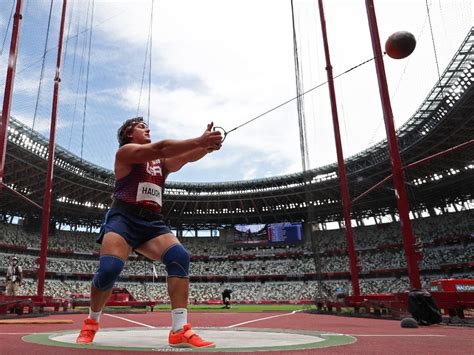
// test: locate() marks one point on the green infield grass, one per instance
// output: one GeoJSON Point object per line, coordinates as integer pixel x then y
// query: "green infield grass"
{"type": "Point", "coordinates": [239, 308]}
{"type": "Point", "coordinates": [213, 308]}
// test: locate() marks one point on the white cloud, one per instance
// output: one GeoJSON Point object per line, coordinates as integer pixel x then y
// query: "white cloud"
{"type": "Point", "coordinates": [42, 123]}
{"type": "Point", "coordinates": [26, 86]}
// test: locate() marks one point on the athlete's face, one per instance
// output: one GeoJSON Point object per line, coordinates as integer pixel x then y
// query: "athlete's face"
{"type": "Point", "coordinates": [141, 134]}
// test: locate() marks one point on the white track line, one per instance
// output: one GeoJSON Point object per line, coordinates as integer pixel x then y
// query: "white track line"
{"type": "Point", "coordinates": [383, 335]}
{"type": "Point", "coordinates": [260, 319]}
{"type": "Point", "coordinates": [131, 321]}
{"type": "Point", "coordinates": [396, 335]}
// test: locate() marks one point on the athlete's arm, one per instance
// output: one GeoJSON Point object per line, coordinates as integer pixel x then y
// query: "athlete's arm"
{"type": "Point", "coordinates": [141, 153]}
{"type": "Point", "coordinates": [175, 163]}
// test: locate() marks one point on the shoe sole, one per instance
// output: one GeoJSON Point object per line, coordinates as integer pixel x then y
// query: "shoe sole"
{"type": "Point", "coordinates": [186, 345]}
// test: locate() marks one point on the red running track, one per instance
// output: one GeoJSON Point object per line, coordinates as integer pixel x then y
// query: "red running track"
{"type": "Point", "coordinates": [374, 336]}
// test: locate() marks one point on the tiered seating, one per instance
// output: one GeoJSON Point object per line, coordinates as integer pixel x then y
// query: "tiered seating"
{"type": "Point", "coordinates": [446, 240]}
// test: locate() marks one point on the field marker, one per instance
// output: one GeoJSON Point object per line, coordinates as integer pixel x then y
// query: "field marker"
{"type": "Point", "coordinates": [260, 319]}
{"type": "Point", "coordinates": [16, 333]}
{"type": "Point", "coordinates": [131, 321]}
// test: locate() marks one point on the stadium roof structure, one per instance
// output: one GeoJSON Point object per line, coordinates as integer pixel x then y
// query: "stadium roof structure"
{"type": "Point", "coordinates": [445, 119]}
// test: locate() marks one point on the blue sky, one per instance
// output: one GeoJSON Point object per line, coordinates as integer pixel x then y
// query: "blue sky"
{"type": "Point", "coordinates": [227, 62]}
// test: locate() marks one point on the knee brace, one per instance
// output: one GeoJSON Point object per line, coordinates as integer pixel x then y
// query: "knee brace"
{"type": "Point", "coordinates": [176, 259]}
{"type": "Point", "coordinates": [109, 270]}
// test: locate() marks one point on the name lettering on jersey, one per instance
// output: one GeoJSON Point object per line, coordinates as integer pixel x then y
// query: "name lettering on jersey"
{"type": "Point", "coordinates": [148, 191]}
{"type": "Point", "coordinates": [154, 168]}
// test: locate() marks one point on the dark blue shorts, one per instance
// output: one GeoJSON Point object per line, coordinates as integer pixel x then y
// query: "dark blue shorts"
{"type": "Point", "coordinates": [134, 229]}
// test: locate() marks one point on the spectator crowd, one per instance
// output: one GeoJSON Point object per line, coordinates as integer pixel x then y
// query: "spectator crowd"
{"type": "Point", "coordinates": [443, 240]}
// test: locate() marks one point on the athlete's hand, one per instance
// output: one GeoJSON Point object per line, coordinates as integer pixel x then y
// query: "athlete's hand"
{"type": "Point", "coordinates": [214, 138]}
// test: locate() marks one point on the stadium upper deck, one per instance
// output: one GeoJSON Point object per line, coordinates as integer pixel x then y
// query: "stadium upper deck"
{"type": "Point", "coordinates": [445, 119]}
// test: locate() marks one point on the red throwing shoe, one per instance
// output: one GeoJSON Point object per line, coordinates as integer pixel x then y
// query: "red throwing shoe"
{"type": "Point", "coordinates": [186, 338]}
{"type": "Point", "coordinates": [87, 334]}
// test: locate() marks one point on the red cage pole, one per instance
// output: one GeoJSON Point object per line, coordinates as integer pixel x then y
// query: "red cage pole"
{"type": "Point", "coordinates": [416, 163]}
{"type": "Point", "coordinates": [397, 169]}
{"type": "Point", "coordinates": [368, 191]}
{"type": "Point", "coordinates": [346, 202]}
{"type": "Point", "coordinates": [7, 98]}
{"type": "Point", "coordinates": [19, 195]}
{"type": "Point", "coordinates": [49, 176]}
{"type": "Point", "coordinates": [440, 154]}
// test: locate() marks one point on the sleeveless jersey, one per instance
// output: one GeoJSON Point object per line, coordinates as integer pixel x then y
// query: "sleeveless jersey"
{"type": "Point", "coordinates": [144, 186]}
